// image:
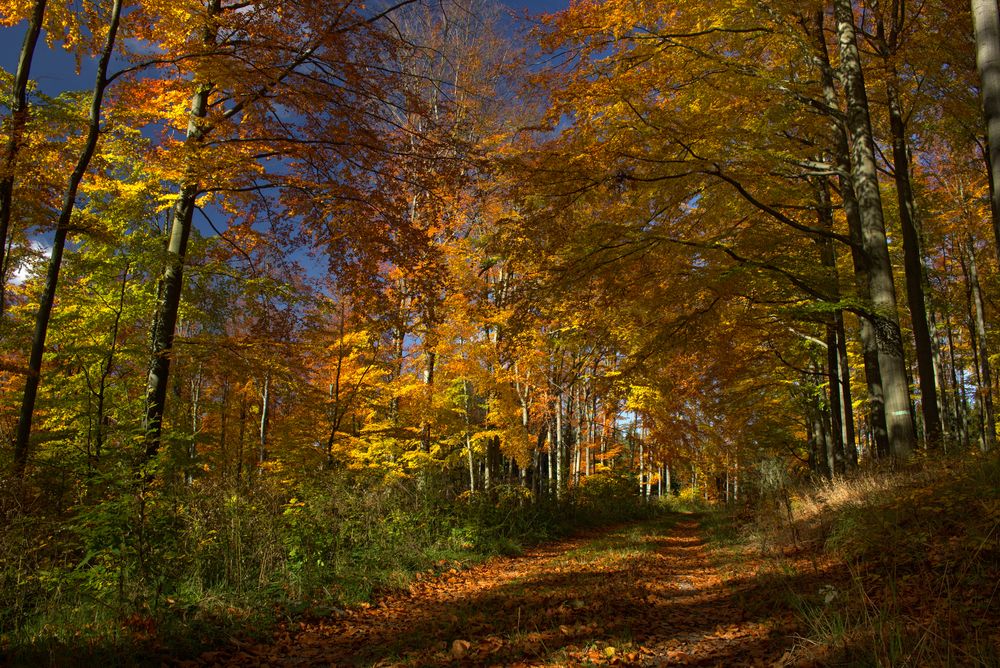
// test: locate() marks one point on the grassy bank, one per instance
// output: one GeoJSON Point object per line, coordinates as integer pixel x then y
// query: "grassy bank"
{"type": "Point", "coordinates": [122, 579]}
{"type": "Point", "coordinates": [906, 564]}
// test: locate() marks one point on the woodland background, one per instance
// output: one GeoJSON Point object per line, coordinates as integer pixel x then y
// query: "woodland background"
{"type": "Point", "coordinates": [301, 296]}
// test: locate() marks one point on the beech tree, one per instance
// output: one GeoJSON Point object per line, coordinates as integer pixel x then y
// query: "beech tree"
{"type": "Point", "coordinates": [44, 313]}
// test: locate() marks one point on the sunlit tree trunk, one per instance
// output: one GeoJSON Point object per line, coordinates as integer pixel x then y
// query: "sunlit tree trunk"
{"type": "Point", "coordinates": [859, 257]}
{"type": "Point", "coordinates": [172, 280]}
{"type": "Point", "coordinates": [847, 404]}
{"type": "Point", "coordinates": [559, 444]}
{"type": "Point", "coordinates": [892, 364]}
{"type": "Point", "coordinates": [986, 23]}
{"type": "Point", "coordinates": [265, 420]}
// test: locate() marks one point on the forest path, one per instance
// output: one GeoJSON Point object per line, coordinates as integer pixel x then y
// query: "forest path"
{"type": "Point", "coordinates": [646, 594]}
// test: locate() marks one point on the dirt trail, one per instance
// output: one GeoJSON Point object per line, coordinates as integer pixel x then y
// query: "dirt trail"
{"type": "Point", "coordinates": [646, 595]}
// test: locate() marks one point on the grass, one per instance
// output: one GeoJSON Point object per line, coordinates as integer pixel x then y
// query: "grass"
{"type": "Point", "coordinates": [916, 563]}
{"type": "Point", "coordinates": [123, 581]}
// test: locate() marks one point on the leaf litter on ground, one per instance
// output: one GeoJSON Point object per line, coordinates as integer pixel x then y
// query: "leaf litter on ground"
{"type": "Point", "coordinates": [646, 594]}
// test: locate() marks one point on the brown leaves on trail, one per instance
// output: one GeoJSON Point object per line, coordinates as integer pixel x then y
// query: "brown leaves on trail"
{"type": "Point", "coordinates": [644, 595]}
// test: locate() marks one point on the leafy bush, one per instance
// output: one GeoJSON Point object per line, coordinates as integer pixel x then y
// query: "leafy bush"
{"type": "Point", "coordinates": [186, 559]}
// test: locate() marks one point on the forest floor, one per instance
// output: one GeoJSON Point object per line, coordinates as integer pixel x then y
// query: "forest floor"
{"type": "Point", "coordinates": [646, 594]}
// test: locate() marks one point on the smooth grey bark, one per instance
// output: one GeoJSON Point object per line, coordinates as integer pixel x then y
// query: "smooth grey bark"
{"type": "Point", "coordinates": [265, 419]}
{"type": "Point", "coordinates": [172, 280]}
{"type": "Point", "coordinates": [892, 363]}
{"type": "Point", "coordinates": [859, 257]}
{"type": "Point", "coordinates": [18, 121]}
{"type": "Point", "coordinates": [889, 33]}
{"type": "Point", "coordinates": [847, 404]}
{"type": "Point", "coordinates": [171, 284]}
{"type": "Point", "coordinates": [47, 299]}
{"type": "Point", "coordinates": [986, 24]}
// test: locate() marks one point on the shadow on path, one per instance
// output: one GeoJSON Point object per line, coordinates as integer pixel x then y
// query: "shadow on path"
{"type": "Point", "coordinates": [647, 594]}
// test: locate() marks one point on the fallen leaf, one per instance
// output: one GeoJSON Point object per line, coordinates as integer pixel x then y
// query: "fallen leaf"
{"type": "Point", "coordinates": [459, 648]}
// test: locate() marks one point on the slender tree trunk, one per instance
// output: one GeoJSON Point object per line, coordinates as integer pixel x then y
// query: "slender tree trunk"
{"type": "Point", "coordinates": [108, 365]}
{"type": "Point", "coordinates": [847, 404]}
{"type": "Point", "coordinates": [914, 271]}
{"type": "Point", "coordinates": [467, 390]}
{"type": "Point", "coordinates": [838, 458]}
{"type": "Point", "coordinates": [892, 364]}
{"type": "Point", "coordinates": [961, 406]}
{"type": "Point", "coordinates": [45, 303]}
{"type": "Point", "coordinates": [986, 385]}
{"type": "Point", "coordinates": [223, 428]}
{"type": "Point", "coordinates": [18, 121]}
{"type": "Point", "coordinates": [559, 447]}
{"type": "Point", "coordinates": [828, 258]}
{"type": "Point", "coordinates": [820, 443]}
{"type": "Point", "coordinates": [986, 22]}
{"type": "Point", "coordinates": [944, 406]}
{"type": "Point", "coordinates": [265, 419]}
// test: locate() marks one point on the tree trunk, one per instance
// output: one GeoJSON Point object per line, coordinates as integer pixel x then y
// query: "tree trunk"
{"type": "Point", "coordinates": [847, 403]}
{"type": "Point", "coordinates": [961, 406]}
{"type": "Point", "coordinates": [986, 23]}
{"type": "Point", "coordinates": [828, 258]}
{"type": "Point", "coordinates": [986, 384]}
{"type": "Point", "coordinates": [18, 120]}
{"type": "Point", "coordinates": [48, 297]}
{"type": "Point", "coordinates": [892, 363]}
{"type": "Point", "coordinates": [859, 257]}
{"type": "Point", "coordinates": [914, 271]}
{"type": "Point", "coordinates": [838, 458]}
{"type": "Point", "coordinates": [109, 360]}
{"type": "Point", "coordinates": [560, 475]}
{"type": "Point", "coordinates": [172, 281]}
{"type": "Point", "coordinates": [265, 418]}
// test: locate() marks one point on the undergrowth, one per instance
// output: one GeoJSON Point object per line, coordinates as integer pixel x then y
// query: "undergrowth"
{"type": "Point", "coordinates": [912, 562]}
{"type": "Point", "coordinates": [128, 576]}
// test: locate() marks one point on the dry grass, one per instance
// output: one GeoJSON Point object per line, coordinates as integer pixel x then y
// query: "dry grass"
{"type": "Point", "coordinates": [920, 561]}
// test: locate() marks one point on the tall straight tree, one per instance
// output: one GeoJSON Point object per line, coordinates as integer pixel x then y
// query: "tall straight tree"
{"type": "Point", "coordinates": [892, 363]}
{"type": "Point", "coordinates": [888, 36]}
{"type": "Point", "coordinates": [181, 218]}
{"type": "Point", "coordinates": [842, 161]}
{"type": "Point", "coordinates": [47, 300]}
{"type": "Point", "coordinates": [986, 22]}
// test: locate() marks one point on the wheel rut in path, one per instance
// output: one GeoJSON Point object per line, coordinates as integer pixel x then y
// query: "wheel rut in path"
{"type": "Point", "coordinates": [647, 594]}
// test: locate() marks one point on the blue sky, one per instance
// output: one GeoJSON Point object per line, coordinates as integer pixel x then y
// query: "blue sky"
{"type": "Point", "coordinates": [54, 69]}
